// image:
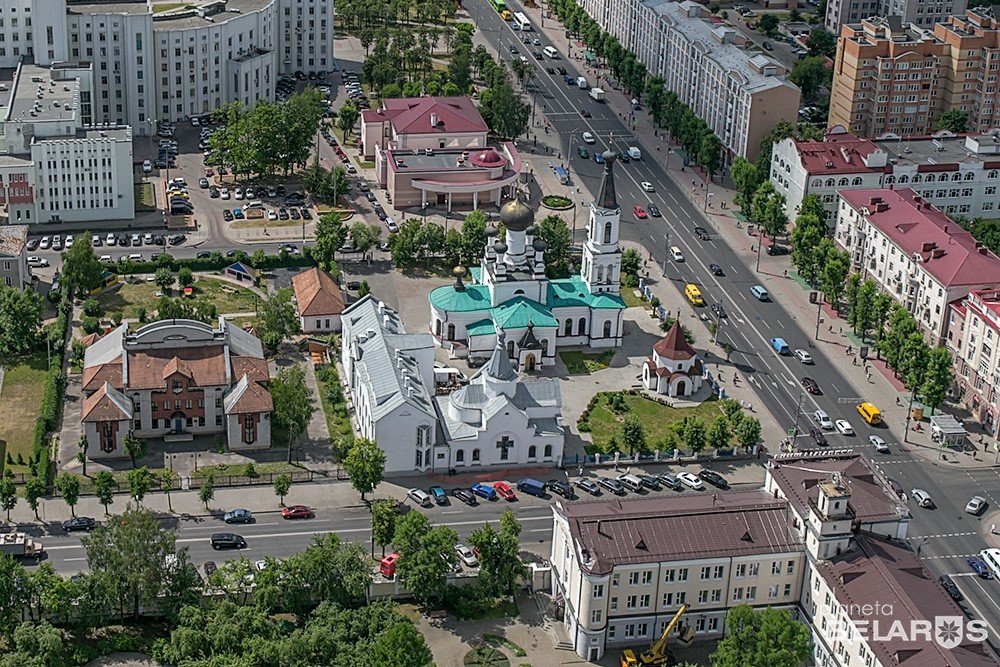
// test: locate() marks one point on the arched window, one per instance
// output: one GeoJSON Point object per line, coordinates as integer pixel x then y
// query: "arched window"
{"type": "Point", "coordinates": [611, 270]}
{"type": "Point", "coordinates": [903, 178]}
{"type": "Point", "coordinates": [475, 454]}
{"type": "Point", "coordinates": [817, 182]}
{"type": "Point", "coordinates": [510, 348]}
{"type": "Point", "coordinates": [518, 292]}
{"type": "Point", "coordinates": [956, 176]}
{"type": "Point", "coordinates": [545, 347]}
{"type": "Point", "coordinates": [607, 232]}
{"type": "Point", "coordinates": [582, 327]}
{"type": "Point", "coordinates": [889, 180]}
{"type": "Point", "coordinates": [547, 452]}
{"type": "Point", "coordinates": [830, 182]}
{"type": "Point", "coordinates": [992, 174]}
{"type": "Point", "coordinates": [916, 178]}
{"type": "Point", "coordinates": [607, 329]}
{"type": "Point", "coordinates": [437, 327]}
{"type": "Point", "coordinates": [931, 178]}
{"type": "Point", "coordinates": [600, 274]}
{"type": "Point", "coordinates": [532, 451]}
{"type": "Point", "coordinates": [842, 182]}
{"type": "Point", "coordinates": [451, 332]}
{"type": "Point", "coordinates": [856, 181]}
{"type": "Point", "coordinates": [969, 175]}
{"type": "Point", "coordinates": [459, 456]}
{"type": "Point", "coordinates": [568, 328]}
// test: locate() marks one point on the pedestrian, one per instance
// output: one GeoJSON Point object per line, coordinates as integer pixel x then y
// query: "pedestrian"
{"type": "Point", "coordinates": [849, 348]}
{"type": "Point", "coordinates": [854, 362]}
{"type": "Point", "coordinates": [897, 401]}
{"type": "Point", "coordinates": [785, 273]}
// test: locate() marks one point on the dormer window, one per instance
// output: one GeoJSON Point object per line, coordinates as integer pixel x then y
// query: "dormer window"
{"type": "Point", "coordinates": [177, 386]}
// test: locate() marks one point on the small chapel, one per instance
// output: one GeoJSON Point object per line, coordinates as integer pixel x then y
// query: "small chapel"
{"type": "Point", "coordinates": [674, 369]}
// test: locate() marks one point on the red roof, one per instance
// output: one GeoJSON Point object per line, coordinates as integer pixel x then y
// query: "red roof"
{"type": "Point", "coordinates": [412, 115]}
{"type": "Point", "coordinates": [948, 253]}
{"type": "Point", "coordinates": [836, 154]}
{"type": "Point", "coordinates": [673, 345]}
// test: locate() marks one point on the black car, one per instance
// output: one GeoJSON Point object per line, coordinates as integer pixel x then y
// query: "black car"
{"type": "Point", "coordinates": [370, 196]}
{"type": "Point", "coordinates": [306, 215]}
{"type": "Point", "coordinates": [283, 214]}
{"type": "Point", "coordinates": [281, 190]}
{"type": "Point", "coordinates": [654, 210]}
{"type": "Point", "coordinates": [701, 233]}
{"type": "Point", "coordinates": [775, 250]}
{"type": "Point", "coordinates": [585, 113]}
{"type": "Point", "coordinates": [213, 192]}
{"type": "Point", "coordinates": [79, 523]}
{"type": "Point", "coordinates": [228, 541]}
{"type": "Point", "coordinates": [176, 239]}
{"type": "Point", "coordinates": [204, 254]}
{"type": "Point", "coordinates": [560, 487]}
{"type": "Point", "coordinates": [818, 437]}
{"type": "Point", "coordinates": [624, 157]}
{"type": "Point", "coordinates": [897, 488]}
{"type": "Point", "coordinates": [811, 386]}
{"type": "Point", "coordinates": [538, 55]}
{"type": "Point", "coordinates": [232, 253]}
{"type": "Point", "coordinates": [612, 485]}
{"type": "Point", "coordinates": [650, 482]}
{"type": "Point", "coordinates": [124, 240]}
{"type": "Point", "coordinates": [561, 70]}
{"type": "Point", "coordinates": [549, 70]}
{"type": "Point", "coordinates": [715, 269]}
{"type": "Point", "coordinates": [294, 213]}
{"type": "Point", "coordinates": [714, 478]}
{"type": "Point", "coordinates": [949, 587]}
{"type": "Point", "coordinates": [719, 311]}
{"type": "Point", "coordinates": [227, 215]}
{"type": "Point", "coordinates": [158, 239]}
{"type": "Point", "coordinates": [464, 495]}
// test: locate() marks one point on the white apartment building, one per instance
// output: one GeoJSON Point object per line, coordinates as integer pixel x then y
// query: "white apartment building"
{"type": "Point", "coordinates": [33, 29]}
{"type": "Point", "coordinates": [52, 168]}
{"type": "Point", "coordinates": [306, 35]}
{"type": "Point", "coordinates": [958, 174]}
{"type": "Point", "coordinates": [924, 13]}
{"type": "Point", "coordinates": [973, 337]}
{"type": "Point", "coordinates": [914, 252]}
{"type": "Point", "coordinates": [740, 94]}
{"type": "Point", "coordinates": [823, 538]}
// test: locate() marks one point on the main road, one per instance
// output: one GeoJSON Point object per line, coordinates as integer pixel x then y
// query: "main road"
{"type": "Point", "coordinates": [944, 535]}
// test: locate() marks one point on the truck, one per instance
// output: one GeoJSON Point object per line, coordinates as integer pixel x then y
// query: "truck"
{"type": "Point", "coordinates": [658, 654]}
{"type": "Point", "coordinates": [19, 545]}
{"type": "Point", "coordinates": [581, 83]}
{"type": "Point", "coordinates": [597, 94]}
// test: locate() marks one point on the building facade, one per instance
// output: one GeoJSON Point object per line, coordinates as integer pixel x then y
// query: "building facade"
{"type": "Point", "coordinates": [176, 380]}
{"type": "Point", "coordinates": [973, 337]}
{"type": "Point", "coordinates": [318, 301]}
{"type": "Point", "coordinates": [914, 253]}
{"type": "Point", "coordinates": [895, 77]}
{"type": "Point", "coordinates": [958, 174]}
{"type": "Point", "coordinates": [674, 368]}
{"type": "Point", "coordinates": [14, 271]}
{"type": "Point", "coordinates": [511, 297]}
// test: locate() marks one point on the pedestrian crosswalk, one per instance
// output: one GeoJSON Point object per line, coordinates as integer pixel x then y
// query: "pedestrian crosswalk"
{"type": "Point", "coordinates": [934, 537]}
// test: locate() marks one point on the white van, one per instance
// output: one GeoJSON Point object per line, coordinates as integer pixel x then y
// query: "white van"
{"type": "Point", "coordinates": [588, 138]}
{"type": "Point", "coordinates": [254, 204]}
{"type": "Point", "coordinates": [631, 482]}
{"type": "Point", "coordinates": [634, 153]}
{"type": "Point", "coordinates": [551, 52]}
{"type": "Point", "coordinates": [992, 559]}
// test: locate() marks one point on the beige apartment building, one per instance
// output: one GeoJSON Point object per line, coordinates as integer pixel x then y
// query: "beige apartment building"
{"type": "Point", "coordinates": [897, 78]}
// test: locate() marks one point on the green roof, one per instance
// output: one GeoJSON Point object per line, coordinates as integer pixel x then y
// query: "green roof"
{"type": "Point", "coordinates": [481, 328]}
{"type": "Point", "coordinates": [518, 312]}
{"type": "Point", "coordinates": [573, 291]}
{"type": "Point", "coordinates": [476, 273]}
{"type": "Point", "coordinates": [473, 297]}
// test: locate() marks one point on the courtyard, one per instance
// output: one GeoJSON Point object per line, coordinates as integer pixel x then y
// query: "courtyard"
{"type": "Point", "coordinates": [131, 298]}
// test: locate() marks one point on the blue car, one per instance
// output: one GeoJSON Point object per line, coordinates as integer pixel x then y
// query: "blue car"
{"type": "Point", "coordinates": [438, 494]}
{"type": "Point", "coordinates": [598, 158]}
{"type": "Point", "coordinates": [238, 516]}
{"type": "Point", "coordinates": [979, 567]}
{"type": "Point", "coordinates": [483, 491]}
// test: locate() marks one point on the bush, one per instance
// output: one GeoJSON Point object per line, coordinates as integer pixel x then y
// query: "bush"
{"type": "Point", "coordinates": [556, 201]}
{"type": "Point", "coordinates": [216, 262]}
{"type": "Point", "coordinates": [90, 324]}
{"type": "Point", "coordinates": [92, 307]}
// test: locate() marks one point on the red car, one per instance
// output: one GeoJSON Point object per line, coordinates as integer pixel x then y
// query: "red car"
{"type": "Point", "coordinates": [296, 512]}
{"type": "Point", "coordinates": [504, 491]}
{"type": "Point", "coordinates": [639, 212]}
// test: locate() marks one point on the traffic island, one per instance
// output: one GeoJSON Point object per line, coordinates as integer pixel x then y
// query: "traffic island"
{"type": "Point", "coordinates": [557, 202]}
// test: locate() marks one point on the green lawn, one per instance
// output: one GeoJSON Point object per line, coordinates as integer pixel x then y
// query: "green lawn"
{"type": "Point", "coordinates": [654, 417]}
{"type": "Point", "coordinates": [144, 197]}
{"type": "Point", "coordinates": [630, 299]}
{"type": "Point", "coordinates": [238, 469]}
{"type": "Point", "coordinates": [331, 396]}
{"type": "Point", "coordinates": [129, 297]}
{"type": "Point", "coordinates": [21, 396]}
{"type": "Point", "coordinates": [578, 363]}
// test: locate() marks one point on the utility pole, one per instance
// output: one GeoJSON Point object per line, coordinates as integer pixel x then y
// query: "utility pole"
{"type": "Point", "coordinates": [760, 239]}
{"type": "Point", "coordinates": [666, 252]}
{"type": "Point", "coordinates": [819, 310]}
{"type": "Point", "coordinates": [798, 411]}
{"type": "Point", "coordinates": [909, 411]}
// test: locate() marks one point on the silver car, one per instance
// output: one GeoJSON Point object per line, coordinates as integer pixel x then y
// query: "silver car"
{"type": "Point", "coordinates": [976, 505]}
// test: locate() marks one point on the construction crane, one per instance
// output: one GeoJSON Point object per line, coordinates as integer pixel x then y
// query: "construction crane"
{"type": "Point", "coordinates": [657, 653]}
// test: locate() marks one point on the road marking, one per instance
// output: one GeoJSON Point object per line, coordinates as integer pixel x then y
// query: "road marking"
{"type": "Point", "coordinates": [988, 596]}
{"type": "Point", "coordinates": [946, 557]}
{"type": "Point", "coordinates": [933, 537]}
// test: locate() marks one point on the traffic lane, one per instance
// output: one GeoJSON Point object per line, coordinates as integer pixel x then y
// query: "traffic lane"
{"type": "Point", "coordinates": [980, 597]}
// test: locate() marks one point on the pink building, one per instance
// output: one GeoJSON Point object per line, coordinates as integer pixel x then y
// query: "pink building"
{"type": "Point", "coordinates": [433, 151]}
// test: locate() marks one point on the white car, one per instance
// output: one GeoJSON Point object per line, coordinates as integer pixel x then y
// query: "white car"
{"type": "Point", "coordinates": [691, 480]}
{"type": "Point", "coordinates": [391, 225]}
{"type": "Point", "coordinates": [69, 241]}
{"type": "Point", "coordinates": [95, 240]}
{"type": "Point", "coordinates": [588, 138]}
{"type": "Point", "coordinates": [647, 186]}
{"type": "Point", "coordinates": [147, 166]}
{"type": "Point", "coordinates": [466, 556]}
{"type": "Point", "coordinates": [272, 215]}
{"type": "Point", "coordinates": [45, 243]}
{"type": "Point", "coordinates": [195, 121]}
{"type": "Point", "coordinates": [420, 497]}
{"type": "Point", "coordinates": [224, 193]}
{"type": "Point", "coordinates": [37, 262]}
{"type": "Point", "coordinates": [921, 498]}
{"type": "Point", "coordinates": [135, 257]}
{"type": "Point", "coordinates": [238, 193]}
{"type": "Point", "coordinates": [976, 505]}
{"type": "Point", "coordinates": [823, 420]}
{"type": "Point", "coordinates": [844, 427]}
{"type": "Point", "coordinates": [803, 356]}
{"type": "Point", "coordinates": [110, 239]}
{"type": "Point", "coordinates": [676, 254]}
{"type": "Point", "coordinates": [879, 444]}
{"type": "Point", "coordinates": [106, 258]}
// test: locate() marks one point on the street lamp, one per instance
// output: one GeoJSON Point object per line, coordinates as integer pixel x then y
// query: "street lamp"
{"type": "Point", "coordinates": [909, 411]}
{"type": "Point", "coordinates": [707, 195]}
{"type": "Point", "coordinates": [666, 252]}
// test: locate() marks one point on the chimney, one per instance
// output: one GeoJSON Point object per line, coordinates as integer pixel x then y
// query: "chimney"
{"type": "Point", "coordinates": [434, 119]}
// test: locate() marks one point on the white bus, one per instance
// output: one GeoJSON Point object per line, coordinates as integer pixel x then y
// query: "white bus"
{"type": "Point", "coordinates": [521, 21]}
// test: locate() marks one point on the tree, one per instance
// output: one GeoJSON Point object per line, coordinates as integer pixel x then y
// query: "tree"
{"type": "Point", "coordinates": [806, 240]}
{"type": "Point", "coordinates": [718, 433]}
{"type": "Point", "coordinates": [710, 154]}
{"type": "Point", "coordinates": [14, 589]}
{"type": "Point", "coordinates": [692, 433]}
{"type": "Point", "coordinates": [140, 481]}
{"type": "Point", "coordinates": [632, 435]}
{"type": "Point", "coordinates": [553, 230]}
{"type": "Point", "coordinates": [821, 42]}
{"type": "Point", "coordinates": [166, 480]}
{"type": "Point", "coordinates": [365, 236]}
{"type": "Point", "coordinates": [761, 637]}
{"type": "Point", "coordinates": [384, 513]}
{"type": "Point", "coordinates": [282, 485]}
{"type": "Point", "coordinates": [768, 24]}
{"type": "Point", "coordinates": [68, 486]}
{"type": "Point", "coordinates": [35, 645]}
{"type": "Point", "coordinates": [81, 269]}
{"type": "Point", "coordinates": [747, 179]}
{"type": "Point", "coordinates": [426, 555]}
{"type": "Point", "coordinates": [460, 69]}
{"type": "Point", "coordinates": [954, 120]}
{"type": "Point", "coordinates": [135, 448]}
{"type": "Point", "coordinates": [185, 277]}
{"type": "Point", "coordinates": [20, 320]}
{"type": "Point", "coordinates": [293, 403]}
{"type": "Point", "coordinates": [834, 273]}
{"type": "Point", "coordinates": [810, 74]}
{"type": "Point", "coordinates": [937, 378]}
{"type": "Point", "coordinates": [766, 209]}
{"type": "Point", "coordinates": [34, 490]}
{"type": "Point", "coordinates": [278, 320]}
{"type": "Point", "coordinates": [504, 112]}
{"type": "Point", "coordinates": [631, 261]}
{"type": "Point", "coordinates": [748, 431]}
{"type": "Point", "coordinates": [364, 464]}
{"type": "Point", "coordinates": [104, 488]}
{"type": "Point", "coordinates": [346, 118]}
{"type": "Point", "coordinates": [164, 279]}
{"type": "Point", "coordinates": [207, 491]}
{"type": "Point", "coordinates": [8, 494]}
{"type": "Point", "coordinates": [128, 558]}
{"type": "Point", "coordinates": [473, 236]}
{"type": "Point", "coordinates": [331, 232]}
{"type": "Point", "coordinates": [402, 644]}
{"type": "Point", "coordinates": [500, 565]}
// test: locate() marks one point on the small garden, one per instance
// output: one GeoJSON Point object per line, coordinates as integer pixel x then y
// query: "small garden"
{"type": "Point", "coordinates": [138, 300]}
{"type": "Point", "coordinates": [23, 391]}
{"type": "Point", "coordinates": [556, 201]}
{"type": "Point", "coordinates": [581, 363]}
{"type": "Point", "coordinates": [338, 422]}
{"type": "Point", "coordinates": [631, 422]}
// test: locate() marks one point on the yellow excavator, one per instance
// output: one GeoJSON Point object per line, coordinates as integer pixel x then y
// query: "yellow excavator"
{"type": "Point", "coordinates": [658, 654]}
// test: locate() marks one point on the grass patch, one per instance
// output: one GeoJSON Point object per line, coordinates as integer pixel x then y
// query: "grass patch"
{"type": "Point", "coordinates": [578, 363]}
{"type": "Point", "coordinates": [23, 387]}
{"type": "Point", "coordinates": [485, 656]}
{"type": "Point", "coordinates": [331, 396]}
{"type": "Point", "coordinates": [128, 298]}
{"type": "Point", "coordinates": [264, 222]}
{"type": "Point", "coordinates": [498, 640]}
{"type": "Point", "coordinates": [240, 470]}
{"type": "Point", "coordinates": [655, 417]}
{"type": "Point", "coordinates": [556, 201]}
{"type": "Point", "coordinates": [144, 197]}
{"type": "Point", "coordinates": [630, 299]}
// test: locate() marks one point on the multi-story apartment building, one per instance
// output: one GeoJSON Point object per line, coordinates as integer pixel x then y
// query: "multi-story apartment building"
{"type": "Point", "coordinates": [52, 168]}
{"type": "Point", "coordinates": [898, 78]}
{"type": "Point", "coordinates": [740, 94]}
{"type": "Point", "coordinates": [824, 535]}
{"type": "Point", "coordinates": [839, 12]}
{"type": "Point", "coordinates": [14, 270]}
{"type": "Point", "coordinates": [973, 336]}
{"type": "Point", "coordinates": [914, 252]}
{"type": "Point", "coordinates": [32, 29]}
{"type": "Point", "coordinates": [957, 174]}
{"type": "Point", "coordinates": [924, 13]}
